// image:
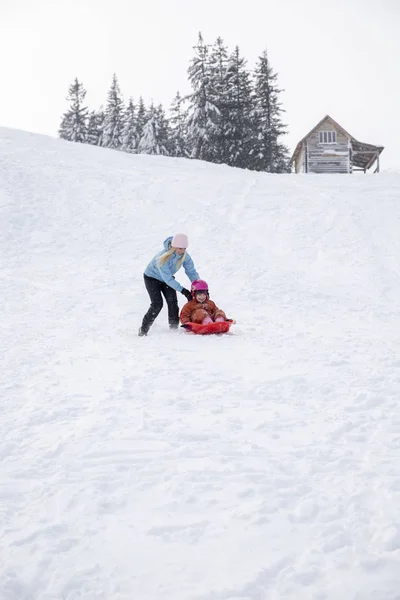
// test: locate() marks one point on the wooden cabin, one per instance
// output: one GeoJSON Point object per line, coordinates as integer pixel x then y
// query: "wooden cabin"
{"type": "Point", "coordinates": [328, 148]}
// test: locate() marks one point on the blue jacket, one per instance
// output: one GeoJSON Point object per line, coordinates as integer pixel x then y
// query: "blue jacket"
{"type": "Point", "coordinates": [167, 271]}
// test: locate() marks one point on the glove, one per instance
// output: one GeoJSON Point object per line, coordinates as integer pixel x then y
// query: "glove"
{"type": "Point", "coordinates": [186, 293]}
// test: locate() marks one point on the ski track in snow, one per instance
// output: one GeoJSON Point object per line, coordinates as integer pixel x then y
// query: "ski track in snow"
{"type": "Point", "coordinates": [259, 465]}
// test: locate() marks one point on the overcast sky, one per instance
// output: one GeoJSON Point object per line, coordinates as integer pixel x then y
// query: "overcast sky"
{"type": "Point", "coordinates": [340, 57]}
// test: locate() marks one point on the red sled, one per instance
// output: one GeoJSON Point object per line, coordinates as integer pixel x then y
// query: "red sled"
{"type": "Point", "coordinates": [207, 329]}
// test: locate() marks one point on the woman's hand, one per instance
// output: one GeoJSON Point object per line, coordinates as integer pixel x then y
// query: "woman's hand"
{"type": "Point", "coordinates": [186, 293]}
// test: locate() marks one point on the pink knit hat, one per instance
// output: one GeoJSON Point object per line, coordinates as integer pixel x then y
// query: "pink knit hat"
{"type": "Point", "coordinates": [180, 240]}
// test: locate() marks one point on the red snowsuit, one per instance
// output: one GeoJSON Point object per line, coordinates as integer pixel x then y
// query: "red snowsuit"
{"type": "Point", "coordinates": [195, 312]}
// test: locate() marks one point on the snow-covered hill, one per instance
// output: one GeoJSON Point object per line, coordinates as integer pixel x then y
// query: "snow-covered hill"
{"type": "Point", "coordinates": [262, 465]}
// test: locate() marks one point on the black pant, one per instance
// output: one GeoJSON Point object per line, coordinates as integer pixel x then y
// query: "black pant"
{"type": "Point", "coordinates": [155, 288]}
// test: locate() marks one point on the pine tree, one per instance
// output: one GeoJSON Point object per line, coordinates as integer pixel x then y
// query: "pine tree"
{"type": "Point", "coordinates": [218, 65]}
{"type": "Point", "coordinates": [114, 117]}
{"type": "Point", "coordinates": [203, 114]}
{"type": "Point", "coordinates": [141, 120]}
{"type": "Point", "coordinates": [218, 62]}
{"type": "Point", "coordinates": [101, 117]}
{"type": "Point", "coordinates": [129, 141]}
{"type": "Point", "coordinates": [95, 128]}
{"type": "Point", "coordinates": [239, 107]}
{"type": "Point", "coordinates": [268, 153]}
{"type": "Point", "coordinates": [177, 121]}
{"type": "Point", "coordinates": [74, 122]}
{"type": "Point", "coordinates": [155, 133]}
{"type": "Point", "coordinates": [163, 130]}
{"type": "Point", "coordinates": [92, 134]}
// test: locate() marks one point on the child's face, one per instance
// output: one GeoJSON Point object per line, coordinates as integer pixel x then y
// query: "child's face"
{"type": "Point", "coordinates": [201, 296]}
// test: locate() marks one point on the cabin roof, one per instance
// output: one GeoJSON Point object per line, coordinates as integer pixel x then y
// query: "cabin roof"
{"type": "Point", "coordinates": [364, 155]}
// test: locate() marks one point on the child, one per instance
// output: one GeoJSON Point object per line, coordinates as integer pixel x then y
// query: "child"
{"type": "Point", "coordinates": [201, 309]}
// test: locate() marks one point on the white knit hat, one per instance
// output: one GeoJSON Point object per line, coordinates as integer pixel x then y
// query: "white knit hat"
{"type": "Point", "coordinates": [180, 240]}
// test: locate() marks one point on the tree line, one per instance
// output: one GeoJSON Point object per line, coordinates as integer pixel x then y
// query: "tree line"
{"type": "Point", "coordinates": [231, 116]}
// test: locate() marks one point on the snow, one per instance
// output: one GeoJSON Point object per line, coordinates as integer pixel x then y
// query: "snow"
{"type": "Point", "coordinates": [259, 465]}
{"type": "Point", "coordinates": [335, 152]}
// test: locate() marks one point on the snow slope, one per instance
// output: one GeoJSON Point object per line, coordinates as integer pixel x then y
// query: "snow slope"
{"type": "Point", "coordinates": [260, 465]}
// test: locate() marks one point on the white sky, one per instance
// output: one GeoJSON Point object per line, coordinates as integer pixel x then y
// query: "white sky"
{"type": "Point", "coordinates": [340, 58]}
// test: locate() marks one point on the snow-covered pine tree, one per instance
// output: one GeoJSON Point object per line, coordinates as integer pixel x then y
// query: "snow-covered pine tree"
{"type": "Point", "coordinates": [101, 117]}
{"type": "Point", "coordinates": [268, 153]}
{"type": "Point", "coordinates": [154, 133]}
{"type": "Point", "coordinates": [177, 121]}
{"type": "Point", "coordinates": [239, 108]}
{"type": "Point", "coordinates": [203, 114]}
{"type": "Point", "coordinates": [73, 126]}
{"type": "Point", "coordinates": [163, 130]}
{"type": "Point", "coordinates": [218, 61]}
{"type": "Point", "coordinates": [114, 117]}
{"type": "Point", "coordinates": [129, 132]}
{"type": "Point", "coordinates": [92, 134]}
{"type": "Point", "coordinates": [141, 120]}
{"type": "Point", "coordinates": [95, 127]}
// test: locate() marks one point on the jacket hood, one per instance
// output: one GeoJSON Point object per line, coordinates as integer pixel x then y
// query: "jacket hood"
{"type": "Point", "coordinates": [167, 242]}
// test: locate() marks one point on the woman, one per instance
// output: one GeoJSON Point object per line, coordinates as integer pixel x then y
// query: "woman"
{"type": "Point", "coordinates": [159, 279]}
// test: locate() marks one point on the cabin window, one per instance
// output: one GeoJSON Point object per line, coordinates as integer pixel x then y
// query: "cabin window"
{"type": "Point", "coordinates": [327, 137]}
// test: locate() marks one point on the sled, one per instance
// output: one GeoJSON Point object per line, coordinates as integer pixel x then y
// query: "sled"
{"type": "Point", "coordinates": [207, 329]}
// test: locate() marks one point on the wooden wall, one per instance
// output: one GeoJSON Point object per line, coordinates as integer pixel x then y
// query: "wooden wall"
{"type": "Point", "coordinates": [325, 158]}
